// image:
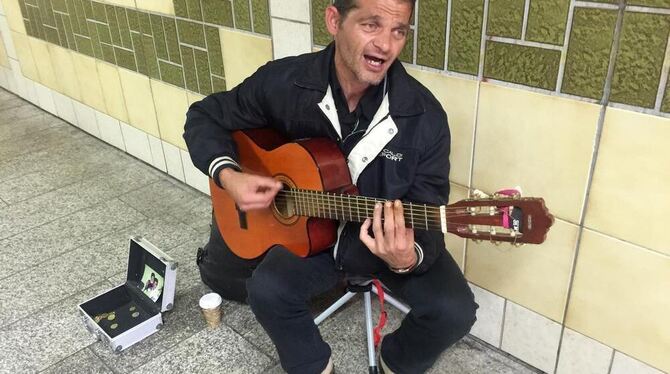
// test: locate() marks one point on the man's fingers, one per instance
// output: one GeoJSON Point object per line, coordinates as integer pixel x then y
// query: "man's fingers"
{"type": "Point", "coordinates": [399, 224]}
{"type": "Point", "coordinates": [365, 237]}
{"type": "Point", "coordinates": [389, 224]}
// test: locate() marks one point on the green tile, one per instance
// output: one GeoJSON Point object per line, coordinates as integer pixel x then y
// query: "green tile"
{"type": "Point", "coordinates": [34, 3]}
{"type": "Point", "coordinates": [29, 27]}
{"type": "Point", "coordinates": [113, 25]}
{"type": "Point", "coordinates": [36, 20]}
{"type": "Point", "coordinates": [47, 13]}
{"type": "Point", "coordinates": [52, 35]}
{"type": "Point", "coordinates": [108, 53]}
{"type": "Point", "coordinates": [58, 5]}
{"type": "Point", "coordinates": [505, 18]}
{"type": "Point", "coordinates": [125, 58]}
{"type": "Point", "coordinates": [145, 24]}
{"type": "Point", "coordinates": [650, 3]}
{"type": "Point", "coordinates": [124, 28]}
{"type": "Point", "coordinates": [530, 66]}
{"type": "Point", "coordinates": [242, 15]}
{"type": "Point", "coordinates": [133, 20]}
{"type": "Point", "coordinates": [159, 36]}
{"type": "Point", "coordinates": [431, 34]}
{"type": "Point", "coordinates": [69, 35]}
{"type": "Point", "coordinates": [203, 73]}
{"type": "Point", "coordinates": [261, 12]}
{"type": "Point", "coordinates": [465, 35]}
{"type": "Point", "coordinates": [319, 30]}
{"type": "Point", "coordinates": [172, 74]}
{"type": "Point", "coordinates": [214, 50]}
{"type": "Point", "coordinates": [139, 53]}
{"type": "Point", "coordinates": [103, 33]}
{"type": "Point", "coordinates": [60, 26]}
{"type": "Point", "coordinates": [81, 17]}
{"type": "Point", "coordinates": [189, 68]}
{"type": "Point", "coordinates": [99, 13]}
{"type": "Point", "coordinates": [180, 9]}
{"type": "Point", "coordinates": [72, 12]}
{"type": "Point", "coordinates": [407, 54]}
{"type": "Point", "coordinates": [665, 104]}
{"type": "Point", "coordinates": [88, 9]}
{"type": "Point", "coordinates": [218, 12]}
{"type": "Point", "coordinates": [171, 39]}
{"type": "Point", "coordinates": [589, 52]}
{"type": "Point", "coordinates": [84, 45]}
{"type": "Point", "coordinates": [640, 58]}
{"type": "Point", "coordinates": [218, 84]}
{"type": "Point", "coordinates": [194, 11]}
{"type": "Point", "coordinates": [24, 11]}
{"type": "Point", "coordinates": [95, 39]}
{"type": "Point", "coordinates": [150, 57]}
{"type": "Point", "coordinates": [191, 33]}
{"type": "Point", "coordinates": [546, 21]}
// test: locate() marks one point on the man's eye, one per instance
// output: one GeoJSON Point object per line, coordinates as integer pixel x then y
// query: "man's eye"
{"type": "Point", "coordinates": [369, 26]}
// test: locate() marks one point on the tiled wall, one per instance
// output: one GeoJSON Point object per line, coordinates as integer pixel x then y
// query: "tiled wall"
{"type": "Point", "coordinates": [565, 98]}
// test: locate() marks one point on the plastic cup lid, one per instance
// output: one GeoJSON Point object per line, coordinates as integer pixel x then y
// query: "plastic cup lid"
{"type": "Point", "coordinates": [210, 300]}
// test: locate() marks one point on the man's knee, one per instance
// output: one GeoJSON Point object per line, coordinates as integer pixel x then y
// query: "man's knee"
{"type": "Point", "coordinates": [267, 290]}
{"type": "Point", "coordinates": [456, 315]}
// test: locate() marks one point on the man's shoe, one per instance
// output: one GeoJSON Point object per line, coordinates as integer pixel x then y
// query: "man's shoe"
{"type": "Point", "coordinates": [384, 369]}
{"type": "Point", "coordinates": [330, 367]}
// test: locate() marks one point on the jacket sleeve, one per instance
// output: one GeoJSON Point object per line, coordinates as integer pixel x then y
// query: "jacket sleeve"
{"type": "Point", "coordinates": [209, 123]}
{"type": "Point", "coordinates": [431, 186]}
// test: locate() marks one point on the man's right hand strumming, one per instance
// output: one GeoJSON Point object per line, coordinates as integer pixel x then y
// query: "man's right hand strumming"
{"type": "Point", "coordinates": [249, 191]}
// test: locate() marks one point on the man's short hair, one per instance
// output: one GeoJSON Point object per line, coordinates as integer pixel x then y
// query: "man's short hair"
{"type": "Point", "coordinates": [344, 6]}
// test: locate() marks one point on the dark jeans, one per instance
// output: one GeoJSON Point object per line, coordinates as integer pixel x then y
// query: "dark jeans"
{"type": "Point", "coordinates": [280, 287]}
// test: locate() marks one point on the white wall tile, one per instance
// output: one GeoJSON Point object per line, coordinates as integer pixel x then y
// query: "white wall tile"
{"type": "Point", "coordinates": [30, 91]}
{"type": "Point", "coordinates": [531, 337]}
{"type": "Point", "coordinates": [157, 158]}
{"type": "Point", "coordinates": [489, 316]}
{"type": "Point", "coordinates": [7, 38]}
{"type": "Point", "coordinates": [110, 130]}
{"type": "Point", "coordinates": [137, 142]}
{"type": "Point", "coordinates": [194, 177]}
{"type": "Point", "coordinates": [16, 71]}
{"type": "Point", "coordinates": [290, 38]}
{"type": "Point", "coordinates": [2, 9]}
{"type": "Point", "coordinates": [3, 78]}
{"type": "Point", "coordinates": [65, 108]}
{"type": "Point", "coordinates": [86, 118]}
{"type": "Point", "coordinates": [297, 10]}
{"type": "Point", "coordinates": [173, 161]}
{"type": "Point", "coordinates": [623, 364]}
{"type": "Point", "coordinates": [11, 80]}
{"type": "Point", "coordinates": [583, 355]}
{"type": "Point", "coordinates": [45, 98]}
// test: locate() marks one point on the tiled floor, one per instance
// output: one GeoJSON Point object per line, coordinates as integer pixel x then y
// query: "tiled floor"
{"type": "Point", "coordinates": [68, 203]}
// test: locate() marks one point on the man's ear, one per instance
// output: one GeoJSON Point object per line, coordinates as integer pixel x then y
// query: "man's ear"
{"type": "Point", "coordinates": [332, 18]}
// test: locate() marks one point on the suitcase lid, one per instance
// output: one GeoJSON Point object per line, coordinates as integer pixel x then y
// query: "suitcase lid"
{"type": "Point", "coordinates": [151, 271]}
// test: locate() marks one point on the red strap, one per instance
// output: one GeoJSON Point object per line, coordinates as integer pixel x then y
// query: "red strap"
{"type": "Point", "coordinates": [382, 316]}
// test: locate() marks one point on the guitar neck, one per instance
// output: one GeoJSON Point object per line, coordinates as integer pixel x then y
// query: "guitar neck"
{"type": "Point", "coordinates": [355, 208]}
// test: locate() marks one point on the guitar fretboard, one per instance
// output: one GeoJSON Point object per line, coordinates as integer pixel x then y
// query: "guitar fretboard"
{"type": "Point", "coordinates": [352, 208]}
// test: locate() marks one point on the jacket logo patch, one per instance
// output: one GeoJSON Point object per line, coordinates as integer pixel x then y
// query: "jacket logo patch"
{"type": "Point", "coordinates": [391, 155]}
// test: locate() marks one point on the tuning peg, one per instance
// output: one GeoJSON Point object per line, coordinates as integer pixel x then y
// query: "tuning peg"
{"type": "Point", "coordinates": [478, 194]}
{"type": "Point", "coordinates": [518, 244]}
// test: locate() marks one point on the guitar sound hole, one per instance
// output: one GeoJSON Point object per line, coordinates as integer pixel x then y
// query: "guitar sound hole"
{"type": "Point", "coordinates": [283, 205]}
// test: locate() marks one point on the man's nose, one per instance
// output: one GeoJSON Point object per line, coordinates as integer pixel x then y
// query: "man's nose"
{"type": "Point", "coordinates": [383, 41]}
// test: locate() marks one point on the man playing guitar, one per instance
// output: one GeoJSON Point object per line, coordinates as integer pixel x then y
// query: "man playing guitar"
{"type": "Point", "coordinates": [396, 139]}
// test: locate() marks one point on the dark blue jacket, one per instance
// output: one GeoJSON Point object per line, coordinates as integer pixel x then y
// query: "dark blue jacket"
{"type": "Point", "coordinates": [404, 155]}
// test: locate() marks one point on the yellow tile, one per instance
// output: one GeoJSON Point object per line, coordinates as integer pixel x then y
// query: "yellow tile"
{"type": "Point", "coordinates": [171, 106]}
{"type": "Point", "coordinates": [257, 51]}
{"type": "Point", "coordinates": [89, 82]}
{"type": "Point", "coordinates": [25, 55]}
{"type": "Point", "coordinates": [193, 97]}
{"type": "Point", "coordinates": [458, 98]}
{"type": "Point", "coordinates": [620, 297]}
{"type": "Point", "coordinates": [534, 276]}
{"type": "Point", "coordinates": [112, 91]}
{"type": "Point", "coordinates": [139, 101]}
{"type": "Point", "coordinates": [4, 59]}
{"type": "Point", "coordinates": [629, 195]}
{"type": "Point", "coordinates": [123, 3]}
{"type": "Point", "coordinates": [14, 16]}
{"type": "Point", "coordinates": [542, 143]}
{"type": "Point", "coordinates": [455, 244]}
{"type": "Point", "coordinates": [61, 59]}
{"type": "Point", "coordinates": [160, 6]}
{"type": "Point", "coordinates": [42, 60]}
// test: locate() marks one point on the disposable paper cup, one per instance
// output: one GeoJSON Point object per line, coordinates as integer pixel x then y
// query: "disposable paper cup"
{"type": "Point", "coordinates": [210, 304]}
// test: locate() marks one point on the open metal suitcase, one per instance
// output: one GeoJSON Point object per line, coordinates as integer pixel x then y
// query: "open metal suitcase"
{"type": "Point", "coordinates": [128, 313]}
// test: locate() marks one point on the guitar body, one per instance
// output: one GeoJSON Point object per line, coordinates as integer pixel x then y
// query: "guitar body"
{"type": "Point", "coordinates": [313, 164]}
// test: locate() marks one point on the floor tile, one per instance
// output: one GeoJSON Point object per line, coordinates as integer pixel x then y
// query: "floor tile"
{"type": "Point", "coordinates": [82, 362]}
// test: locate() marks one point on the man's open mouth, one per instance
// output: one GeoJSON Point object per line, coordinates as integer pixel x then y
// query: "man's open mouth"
{"type": "Point", "coordinates": [374, 61]}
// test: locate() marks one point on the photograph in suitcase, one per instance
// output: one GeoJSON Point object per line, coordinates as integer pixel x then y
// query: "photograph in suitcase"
{"type": "Point", "coordinates": [130, 312]}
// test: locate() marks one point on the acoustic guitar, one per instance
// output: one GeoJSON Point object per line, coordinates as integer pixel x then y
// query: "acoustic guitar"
{"type": "Point", "coordinates": [318, 193]}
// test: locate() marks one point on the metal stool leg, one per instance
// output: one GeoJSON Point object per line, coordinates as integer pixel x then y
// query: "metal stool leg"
{"type": "Point", "coordinates": [336, 305]}
{"type": "Point", "coordinates": [368, 329]}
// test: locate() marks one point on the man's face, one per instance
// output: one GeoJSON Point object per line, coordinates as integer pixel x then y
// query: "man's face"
{"type": "Point", "coordinates": [369, 39]}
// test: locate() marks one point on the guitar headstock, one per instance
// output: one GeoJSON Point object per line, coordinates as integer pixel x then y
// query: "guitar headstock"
{"type": "Point", "coordinates": [500, 218]}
